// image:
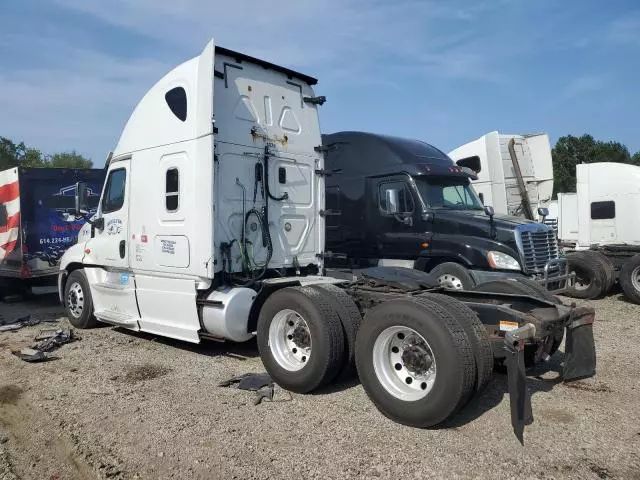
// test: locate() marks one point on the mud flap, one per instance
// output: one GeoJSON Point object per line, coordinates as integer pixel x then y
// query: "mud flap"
{"type": "Point", "coordinates": [580, 348]}
{"type": "Point", "coordinates": [519, 397]}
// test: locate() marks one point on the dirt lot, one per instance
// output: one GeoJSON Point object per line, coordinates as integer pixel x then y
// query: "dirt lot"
{"type": "Point", "coordinates": [124, 405]}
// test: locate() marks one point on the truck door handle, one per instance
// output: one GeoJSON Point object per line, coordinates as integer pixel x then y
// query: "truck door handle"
{"type": "Point", "coordinates": [122, 247]}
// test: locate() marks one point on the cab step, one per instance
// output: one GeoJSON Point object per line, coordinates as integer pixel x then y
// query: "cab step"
{"type": "Point", "coordinates": [118, 319]}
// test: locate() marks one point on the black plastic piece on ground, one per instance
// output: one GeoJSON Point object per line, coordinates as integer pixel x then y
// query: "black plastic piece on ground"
{"type": "Point", "coordinates": [519, 397]}
{"type": "Point", "coordinates": [261, 383]}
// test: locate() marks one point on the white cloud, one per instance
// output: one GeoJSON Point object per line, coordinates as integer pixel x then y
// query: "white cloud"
{"type": "Point", "coordinates": [584, 85]}
{"type": "Point", "coordinates": [80, 104]}
{"type": "Point", "coordinates": [84, 99]}
{"type": "Point", "coordinates": [626, 31]}
{"type": "Point", "coordinates": [309, 34]}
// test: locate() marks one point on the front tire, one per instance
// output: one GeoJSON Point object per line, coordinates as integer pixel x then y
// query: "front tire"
{"type": "Point", "coordinates": [452, 275]}
{"type": "Point", "coordinates": [78, 302]}
{"type": "Point", "coordinates": [300, 339]}
{"type": "Point", "coordinates": [414, 361]}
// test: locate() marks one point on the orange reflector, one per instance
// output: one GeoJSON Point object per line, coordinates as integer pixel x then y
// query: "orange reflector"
{"type": "Point", "coordinates": [87, 251]}
{"type": "Point", "coordinates": [424, 244]}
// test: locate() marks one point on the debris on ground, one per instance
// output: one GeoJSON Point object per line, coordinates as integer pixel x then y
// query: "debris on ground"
{"type": "Point", "coordinates": [261, 383]}
{"type": "Point", "coordinates": [48, 340]}
{"type": "Point", "coordinates": [53, 338]}
{"type": "Point", "coordinates": [25, 321]}
{"type": "Point", "coordinates": [31, 355]}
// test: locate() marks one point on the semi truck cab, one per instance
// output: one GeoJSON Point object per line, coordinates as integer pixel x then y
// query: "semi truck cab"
{"type": "Point", "coordinates": [400, 202]}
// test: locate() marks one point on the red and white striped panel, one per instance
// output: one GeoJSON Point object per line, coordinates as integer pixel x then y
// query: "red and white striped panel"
{"type": "Point", "coordinates": [10, 198]}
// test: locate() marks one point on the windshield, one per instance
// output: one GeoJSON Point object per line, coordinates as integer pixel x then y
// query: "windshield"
{"type": "Point", "coordinates": [448, 192]}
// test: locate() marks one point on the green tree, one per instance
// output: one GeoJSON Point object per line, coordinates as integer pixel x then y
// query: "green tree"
{"type": "Point", "coordinates": [19, 155]}
{"type": "Point", "coordinates": [570, 151]}
{"type": "Point", "coordinates": [69, 160]}
{"type": "Point", "coordinates": [10, 153]}
{"type": "Point", "coordinates": [32, 158]}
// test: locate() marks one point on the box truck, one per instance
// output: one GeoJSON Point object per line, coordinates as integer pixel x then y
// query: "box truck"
{"type": "Point", "coordinates": [210, 225]}
{"type": "Point", "coordinates": [515, 174]}
{"type": "Point", "coordinates": [37, 223]}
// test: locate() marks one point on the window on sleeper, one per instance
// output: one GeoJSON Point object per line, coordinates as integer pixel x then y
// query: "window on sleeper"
{"type": "Point", "coordinates": [172, 190]}
{"type": "Point", "coordinates": [603, 210]}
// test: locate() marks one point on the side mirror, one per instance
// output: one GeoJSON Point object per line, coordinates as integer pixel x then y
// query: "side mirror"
{"type": "Point", "coordinates": [81, 198]}
{"type": "Point", "coordinates": [392, 197]}
{"type": "Point", "coordinates": [488, 210]}
{"type": "Point", "coordinates": [543, 212]}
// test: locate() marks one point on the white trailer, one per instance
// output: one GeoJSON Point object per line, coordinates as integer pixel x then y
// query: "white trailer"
{"type": "Point", "coordinates": [599, 222]}
{"type": "Point", "coordinates": [510, 165]}
{"type": "Point", "coordinates": [210, 225]}
{"type": "Point", "coordinates": [567, 217]}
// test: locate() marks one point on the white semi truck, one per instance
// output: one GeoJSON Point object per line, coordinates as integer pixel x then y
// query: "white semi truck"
{"type": "Point", "coordinates": [515, 172]}
{"type": "Point", "coordinates": [211, 226]}
{"type": "Point", "coordinates": [599, 231]}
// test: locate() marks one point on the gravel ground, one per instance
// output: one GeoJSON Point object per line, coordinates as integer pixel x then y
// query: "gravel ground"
{"type": "Point", "coordinates": [123, 405]}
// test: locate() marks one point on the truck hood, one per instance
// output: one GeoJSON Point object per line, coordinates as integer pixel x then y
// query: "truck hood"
{"type": "Point", "coordinates": [475, 223]}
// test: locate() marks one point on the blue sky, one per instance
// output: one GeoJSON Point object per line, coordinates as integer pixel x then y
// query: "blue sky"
{"type": "Point", "coordinates": [446, 72]}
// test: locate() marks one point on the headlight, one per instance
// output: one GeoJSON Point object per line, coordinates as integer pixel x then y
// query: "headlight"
{"type": "Point", "coordinates": [502, 261]}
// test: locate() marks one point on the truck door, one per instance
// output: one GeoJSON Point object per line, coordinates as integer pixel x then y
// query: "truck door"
{"type": "Point", "coordinates": [112, 285]}
{"type": "Point", "coordinates": [395, 221]}
{"type": "Point", "coordinates": [110, 242]}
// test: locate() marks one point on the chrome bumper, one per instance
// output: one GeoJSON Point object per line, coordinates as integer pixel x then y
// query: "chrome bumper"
{"type": "Point", "coordinates": [556, 277]}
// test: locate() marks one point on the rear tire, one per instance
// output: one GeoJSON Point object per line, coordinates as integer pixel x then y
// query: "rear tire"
{"type": "Point", "coordinates": [350, 319]}
{"type": "Point", "coordinates": [300, 339]}
{"type": "Point", "coordinates": [431, 333]}
{"type": "Point", "coordinates": [477, 333]}
{"type": "Point", "coordinates": [591, 280]}
{"type": "Point", "coordinates": [453, 275]}
{"type": "Point", "coordinates": [610, 271]}
{"type": "Point", "coordinates": [78, 303]}
{"type": "Point", "coordinates": [630, 279]}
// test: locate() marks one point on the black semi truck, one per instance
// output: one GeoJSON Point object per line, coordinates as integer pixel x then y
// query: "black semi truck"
{"type": "Point", "coordinates": [398, 202]}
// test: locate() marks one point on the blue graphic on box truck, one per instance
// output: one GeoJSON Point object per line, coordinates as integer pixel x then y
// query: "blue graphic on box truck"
{"type": "Point", "coordinates": [48, 224]}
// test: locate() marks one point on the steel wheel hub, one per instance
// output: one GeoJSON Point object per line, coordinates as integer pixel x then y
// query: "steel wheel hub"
{"type": "Point", "coordinates": [75, 300]}
{"type": "Point", "coordinates": [450, 281]}
{"type": "Point", "coordinates": [290, 340]}
{"type": "Point", "coordinates": [404, 363]}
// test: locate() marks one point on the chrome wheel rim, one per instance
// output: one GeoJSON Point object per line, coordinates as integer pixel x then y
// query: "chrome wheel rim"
{"type": "Point", "coordinates": [450, 281]}
{"type": "Point", "coordinates": [290, 340]}
{"type": "Point", "coordinates": [75, 300]}
{"type": "Point", "coordinates": [635, 279]}
{"type": "Point", "coordinates": [404, 363]}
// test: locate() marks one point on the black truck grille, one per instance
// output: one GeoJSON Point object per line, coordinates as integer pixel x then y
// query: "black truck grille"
{"type": "Point", "coordinates": [537, 247]}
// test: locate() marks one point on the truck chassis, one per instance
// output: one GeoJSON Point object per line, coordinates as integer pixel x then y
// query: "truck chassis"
{"type": "Point", "coordinates": [421, 352]}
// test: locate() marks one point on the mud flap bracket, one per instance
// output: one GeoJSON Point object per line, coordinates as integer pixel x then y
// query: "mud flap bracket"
{"type": "Point", "coordinates": [519, 396]}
